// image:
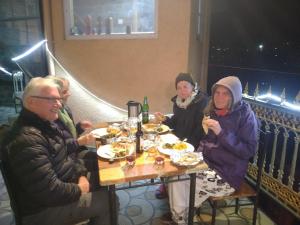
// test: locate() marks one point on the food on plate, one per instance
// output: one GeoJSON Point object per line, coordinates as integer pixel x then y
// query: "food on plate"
{"type": "Point", "coordinates": [188, 158]}
{"type": "Point", "coordinates": [150, 127]}
{"type": "Point", "coordinates": [168, 145]}
{"type": "Point", "coordinates": [153, 127]}
{"type": "Point", "coordinates": [176, 146]}
{"type": "Point", "coordinates": [204, 125]}
{"type": "Point", "coordinates": [120, 149]}
{"type": "Point", "coordinates": [109, 135]}
{"type": "Point", "coordinates": [113, 130]}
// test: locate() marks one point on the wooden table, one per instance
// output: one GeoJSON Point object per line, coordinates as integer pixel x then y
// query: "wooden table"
{"type": "Point", "coordinates": [118, 172]}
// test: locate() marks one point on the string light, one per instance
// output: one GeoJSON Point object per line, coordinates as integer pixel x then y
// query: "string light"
{"type": "Point", "coordinates": [5, 71]}
{"type": "Point", "coordinates": [29, 51]}
{"type": "Point", "coordinates": [266, 97]}
{"type": "Point", "coordinates": [263, 98]}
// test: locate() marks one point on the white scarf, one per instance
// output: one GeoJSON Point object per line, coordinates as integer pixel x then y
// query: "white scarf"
{"type": "Point", "coordinates": [184, 103]}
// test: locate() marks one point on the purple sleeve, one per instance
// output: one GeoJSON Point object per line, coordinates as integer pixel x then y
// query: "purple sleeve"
{"type": "Point", "coordinates": [243, 142]}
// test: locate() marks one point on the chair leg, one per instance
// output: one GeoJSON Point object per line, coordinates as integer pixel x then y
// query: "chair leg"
{"type": "Point", "coordinates": [254, 216]}
{"type": "Point", "coordinates": [214, 212]}
{"type": "Point", "coordinates": [237, 206]}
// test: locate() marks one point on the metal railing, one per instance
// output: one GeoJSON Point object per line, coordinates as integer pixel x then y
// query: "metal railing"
{"type": "Point", "coordinates": [281, 170]}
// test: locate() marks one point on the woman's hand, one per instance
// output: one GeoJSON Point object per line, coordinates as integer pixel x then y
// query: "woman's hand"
{"type": "Point", "coordinates": [84, 184]}
{"type": "Point", "coordinates": [213, 125]}
{"type": "Point", "coordinates": [159, 117]}
{"type": "Point", "coordinates": [86, 139]}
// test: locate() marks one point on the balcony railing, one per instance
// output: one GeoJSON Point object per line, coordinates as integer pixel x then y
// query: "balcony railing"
{"type": "Point", "coordinates": [281, 172]}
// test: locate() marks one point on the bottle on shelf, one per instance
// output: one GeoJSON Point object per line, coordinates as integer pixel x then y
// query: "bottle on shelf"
{"type": "Point", "coordinates": [145, 111]}
{"type": "Point", "coordinates": [139, 134]}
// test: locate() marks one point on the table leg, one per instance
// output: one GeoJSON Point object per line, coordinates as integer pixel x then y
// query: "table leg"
{"type": "Point", "coordinates": [192, 198]}
{"type": "Point", "coordinates": [112, 204]}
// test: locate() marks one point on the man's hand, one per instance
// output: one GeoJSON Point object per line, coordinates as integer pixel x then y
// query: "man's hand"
{"type": "Point", "coordinates": [85, 124]}
{"type": "Point", "coordinates": [86, 139]}
{"type": "Point", "coordinates": [84, 184]}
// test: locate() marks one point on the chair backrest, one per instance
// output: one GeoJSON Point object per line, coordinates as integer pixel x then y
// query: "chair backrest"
{"type": "Point", "coordinates": [262, 150]}
{"type": "Point", "coordinates": [18, 82]}
{"type": "Point", "coordinates": [11, 193]}
{"type": "Point", "coordinates": [7, 179]}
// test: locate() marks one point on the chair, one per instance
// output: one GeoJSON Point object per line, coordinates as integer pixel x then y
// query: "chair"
{"type": "Point", "coordinates": [18, 89]}
{"type": "Point", "coordinates": [5, 174]}
{"type": "Point", "coordinates": [246, 190]}
{"type": "Point", "coordinates": [11, 194]}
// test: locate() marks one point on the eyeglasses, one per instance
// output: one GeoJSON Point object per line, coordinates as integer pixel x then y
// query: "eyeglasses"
{"type": "Point", "coordinates": [49, 99]}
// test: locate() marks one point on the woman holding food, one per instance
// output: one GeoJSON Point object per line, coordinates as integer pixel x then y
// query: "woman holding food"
{"type": "Point", "coordinates": [188, 107]}
{"type": "Point", "coordinates": [229, 144]}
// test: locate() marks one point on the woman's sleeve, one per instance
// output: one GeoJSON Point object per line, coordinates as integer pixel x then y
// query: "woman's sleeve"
{"type": "Point", "coordinates": [242, 142]}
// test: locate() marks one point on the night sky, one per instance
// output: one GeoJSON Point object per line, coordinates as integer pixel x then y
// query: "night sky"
{"type": "Point", "coordinates": [257, 40]}
{"type": "Point", "coordinates": [251, 21]}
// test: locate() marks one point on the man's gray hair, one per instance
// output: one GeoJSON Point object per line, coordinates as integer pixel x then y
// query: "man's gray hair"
{"type": "Point", "coordinates": [35, 87]}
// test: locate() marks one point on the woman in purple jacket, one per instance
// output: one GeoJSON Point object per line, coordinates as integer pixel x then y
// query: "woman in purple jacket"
{"type": "Point", "coordinates": [229, 144]}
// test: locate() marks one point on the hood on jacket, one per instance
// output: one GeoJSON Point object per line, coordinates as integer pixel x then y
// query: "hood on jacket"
{"type": "Point", "coordinates": [234, 85]}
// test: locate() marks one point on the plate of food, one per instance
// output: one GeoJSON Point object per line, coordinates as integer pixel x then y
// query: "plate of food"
{"type": "Point", "coordinates": [187, 158]}
{"type": "Point", "coordinates": [153, 127]}
{"type": "Point", "coordinates": [176, 147]}
{"type": "Point", "coordinates": [100, 132]}
{"type": "Point", "coordinates": [116, 150]}
{"type": "Point", "coordinates": [106, 132]}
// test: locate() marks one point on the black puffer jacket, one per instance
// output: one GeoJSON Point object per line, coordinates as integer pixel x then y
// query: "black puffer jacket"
{"type": "Point", "coordinates": [187, 123]}
{"type": "Point", "coordinates": [39, 167]}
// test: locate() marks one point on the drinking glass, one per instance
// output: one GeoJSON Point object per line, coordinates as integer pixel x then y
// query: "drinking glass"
{"type": "Point", "coordinates": [132, 125]}
{"type": "Point", "coordinates": [159, 160]}
{"type": "Point", "coordinates": [130, 159]}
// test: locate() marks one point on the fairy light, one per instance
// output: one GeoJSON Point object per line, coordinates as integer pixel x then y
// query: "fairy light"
{"type": "Point", "coordinates": [263, 98]}
{"type": "Point", "coordinates": [29, 51]}
{"type": "Point", "coordinates": [5, 71]}
{"type": "Point", "coordinates": [266, 97]}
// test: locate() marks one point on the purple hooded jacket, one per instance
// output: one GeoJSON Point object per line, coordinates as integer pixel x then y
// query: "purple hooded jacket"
{"type": "Point", "coordinates": [229, 152]}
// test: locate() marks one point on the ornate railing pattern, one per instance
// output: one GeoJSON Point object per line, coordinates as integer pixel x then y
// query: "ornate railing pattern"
{"type": "Point", "coordinates": [281, 173]}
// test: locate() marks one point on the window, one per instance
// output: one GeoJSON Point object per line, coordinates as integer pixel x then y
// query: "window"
{"type": "Point", "coordinates": [94, 19]}
{"type": "Point", "coordinates": [20, 29]}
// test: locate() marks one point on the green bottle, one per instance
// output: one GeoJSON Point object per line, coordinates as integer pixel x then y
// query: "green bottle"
{"type": "Point", "coordinates": [145, 111]}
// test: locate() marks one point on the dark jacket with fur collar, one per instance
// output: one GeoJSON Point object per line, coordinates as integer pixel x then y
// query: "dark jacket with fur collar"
{"type": "Point", "coordinates": [187, 123]}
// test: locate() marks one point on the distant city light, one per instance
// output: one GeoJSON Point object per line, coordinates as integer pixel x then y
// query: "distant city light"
{"type": "Point", "coordinates": [261, 46]}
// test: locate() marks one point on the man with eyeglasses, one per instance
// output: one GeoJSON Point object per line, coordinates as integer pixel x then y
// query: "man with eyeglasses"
{"type": "Point", "coordinates": [51, 187]}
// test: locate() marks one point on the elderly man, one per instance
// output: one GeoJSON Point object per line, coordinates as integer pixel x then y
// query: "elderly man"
{"type": "Point", "coordinates": [51, 187]}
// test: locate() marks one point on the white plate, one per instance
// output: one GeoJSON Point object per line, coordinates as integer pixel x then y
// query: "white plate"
{"type": "Point", "coordinates": [100, 132]}
{"type": "Point", "coordinates": [168, 138]}
{"type": "Point", "coordinates": [187, 158]}
{"type": "Point", "coordinates": [170, 151]}
{"type": "Point", "coordinates": [106, 152]}
{"type": "Point", "coordinates": [151, 127]}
